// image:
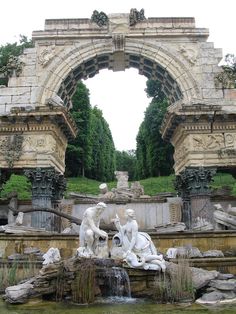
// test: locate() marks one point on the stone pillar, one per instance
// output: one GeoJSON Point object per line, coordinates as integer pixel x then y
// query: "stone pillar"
{"type": "Point", "coordinates": [193, 186]}
{"type": "Point", "coordinates": [47, 187]}
{"type": "Point", "coordinates": [59, 188]}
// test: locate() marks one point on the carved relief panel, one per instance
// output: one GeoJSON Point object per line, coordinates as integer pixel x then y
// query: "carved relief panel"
{"type": "Point", "coordinates": [214, 149]}
{"type": "Point", "coordinates": [26, 150]}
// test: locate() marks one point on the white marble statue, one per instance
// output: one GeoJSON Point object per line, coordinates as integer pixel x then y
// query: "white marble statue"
{"type": "Point", "coordinates": [137, 247]}
{"type": "Point", "coordinates": [93, 240]}
{"type": "Point", "coordinates": [51, 256]}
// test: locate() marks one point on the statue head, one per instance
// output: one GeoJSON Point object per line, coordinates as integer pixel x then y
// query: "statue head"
{"type": "Point", "coordinates": [130, 213]}
{"type": "Point", "coordinates": [101, 206]}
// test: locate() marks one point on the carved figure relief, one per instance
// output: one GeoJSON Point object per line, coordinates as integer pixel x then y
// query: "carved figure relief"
{"type": "Point", "coordinates": [208, 141]}
{"type": "Point", "coordinates": [46, 56]}
{"type": "Point", "coordinates": [39, 144]}
{"type": "Point", "coordinates": [190, 54]}
{"type": "Point", "coordinates": [44, 145]}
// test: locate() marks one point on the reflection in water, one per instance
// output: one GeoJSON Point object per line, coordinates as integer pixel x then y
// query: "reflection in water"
{"type": "Point", "coordinates": [107, 306]}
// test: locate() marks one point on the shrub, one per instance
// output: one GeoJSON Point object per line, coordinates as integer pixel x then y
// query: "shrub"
{"type": "Point", "coordinates": [18, 184]}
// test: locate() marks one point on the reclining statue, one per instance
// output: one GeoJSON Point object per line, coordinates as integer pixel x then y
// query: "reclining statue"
{"type": "Point", "coordinates": [137, 247]}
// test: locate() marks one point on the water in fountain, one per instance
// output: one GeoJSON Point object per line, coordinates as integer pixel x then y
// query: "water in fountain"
{"type": "Point", "coordinates": [116, 282]}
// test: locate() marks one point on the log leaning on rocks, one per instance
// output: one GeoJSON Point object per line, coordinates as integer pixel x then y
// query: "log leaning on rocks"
{"type": "Point", "coordinates": [71, 218]}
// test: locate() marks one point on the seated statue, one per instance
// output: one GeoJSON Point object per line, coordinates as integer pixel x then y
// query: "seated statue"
{"type": "Point", "coordinates": [137, 247]}
{"type": "Point", "coordinates": [92, 238]}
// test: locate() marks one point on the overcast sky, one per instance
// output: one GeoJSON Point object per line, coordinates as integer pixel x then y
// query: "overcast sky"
{"type": "Point", "coordinates": [120, 95]}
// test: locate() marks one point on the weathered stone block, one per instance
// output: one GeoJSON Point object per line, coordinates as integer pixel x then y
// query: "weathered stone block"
{"type": "Point", "coordinates": [5, 100]}
{"type": "Point", "coordinates": [212, 93]}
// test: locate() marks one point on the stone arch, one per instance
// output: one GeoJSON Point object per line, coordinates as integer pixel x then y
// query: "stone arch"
{"type": "Point", "coordinates": [200, 124]}
{"type": "Point", "coordinates": [153, 61]}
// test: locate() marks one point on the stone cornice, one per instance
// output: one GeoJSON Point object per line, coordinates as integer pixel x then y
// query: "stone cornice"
{"type": "Point", "coordinates": [43, 118]}
{"type": "Point", "coordinates": [141, 32]}
{"type": "Point", "coordinates": [151, 27]}
{"type": "Point", "coordinates": [197, 117]}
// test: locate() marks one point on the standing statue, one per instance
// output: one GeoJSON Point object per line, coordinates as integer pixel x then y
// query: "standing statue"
{"type": "Point", "coordinates": [137, 247]}
{"type": "Point", "coordinates": [93, 240]}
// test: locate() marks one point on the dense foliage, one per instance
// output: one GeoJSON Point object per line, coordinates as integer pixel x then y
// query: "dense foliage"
{"type": "Point", "coordinates": [126, 161]}
{"type": "Point", "coordinates": [102, 149]}
{"type": "Point", "coordinates": [18, 184]}
{"type": "Point", "coordinates": [154, 156]}
{"type": "Point", "coordinates": [227, 78]}
{"type": "Point", "coordinates": [92, 153]}
{"type": "Point", "coordinates": [8, 50]}
{"type": "Point", "coordinates": [77, 153]}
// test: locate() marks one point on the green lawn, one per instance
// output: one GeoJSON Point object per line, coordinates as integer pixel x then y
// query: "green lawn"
{"type": "Point", "coordinates": [152, 186]}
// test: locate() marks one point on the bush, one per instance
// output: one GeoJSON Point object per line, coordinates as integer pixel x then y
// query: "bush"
{"type": "Point", "coordinates": [18, 184]}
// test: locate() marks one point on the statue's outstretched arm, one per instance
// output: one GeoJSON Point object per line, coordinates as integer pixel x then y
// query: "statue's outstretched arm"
{"type": "Point", "coordinates": [117, 224]}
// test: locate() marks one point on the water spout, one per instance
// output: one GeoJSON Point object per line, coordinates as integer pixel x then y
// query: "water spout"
{"type": "Point", "coordinates": [116, 282]}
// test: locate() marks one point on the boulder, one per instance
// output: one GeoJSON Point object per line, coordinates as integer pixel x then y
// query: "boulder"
{"type": "Point", "coordinates": [216, 297]}
{"type": "Point", "coordinates": [202, 277]}
{"type": "Point", "coordinates": [213, 253]}
{"type": "Point", "coordinates": [19, 293]}
{"type": "Point", "coordinates": [225, 276]}
{"type": "Point", "coordinates": [223, 284]}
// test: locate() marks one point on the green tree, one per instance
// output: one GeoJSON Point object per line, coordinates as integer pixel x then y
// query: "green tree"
{"type": "Point", "coordinates": [77, 153]}
{"type": "Point", "coordinates": [102, 149]}
{"type": "Point", "coordinates": [8, 50]}
{"type": "Point", "coordinates": [154, 156]}
{"type": "Point", "coordinates": [126, 161]}
{"type": "Point", "coordinates": [18, 184]}
{"type": "Point", "coordinates": [91, 153]}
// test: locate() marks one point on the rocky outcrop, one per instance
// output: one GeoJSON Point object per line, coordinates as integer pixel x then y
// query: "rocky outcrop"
{"type": "Point", "coordinates": [220, 290]}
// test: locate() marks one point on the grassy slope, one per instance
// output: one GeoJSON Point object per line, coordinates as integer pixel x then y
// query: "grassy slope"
{"type": "Point", "coordinates": [152, 186]}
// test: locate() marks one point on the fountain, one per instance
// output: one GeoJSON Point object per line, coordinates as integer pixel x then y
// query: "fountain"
{"type": "Point", "coordinates": [91, 274]}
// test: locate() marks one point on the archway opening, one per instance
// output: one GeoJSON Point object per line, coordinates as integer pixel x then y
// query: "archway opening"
{"type": "Point", "coordinates": [147, 67]}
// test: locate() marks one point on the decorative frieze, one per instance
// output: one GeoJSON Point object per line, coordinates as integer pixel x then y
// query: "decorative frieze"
{"type": "Point", "coordinates": [35, 138]}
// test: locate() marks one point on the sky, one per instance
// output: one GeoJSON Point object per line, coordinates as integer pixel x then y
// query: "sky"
{"type": "Point", "coordinates": [120, 95]}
